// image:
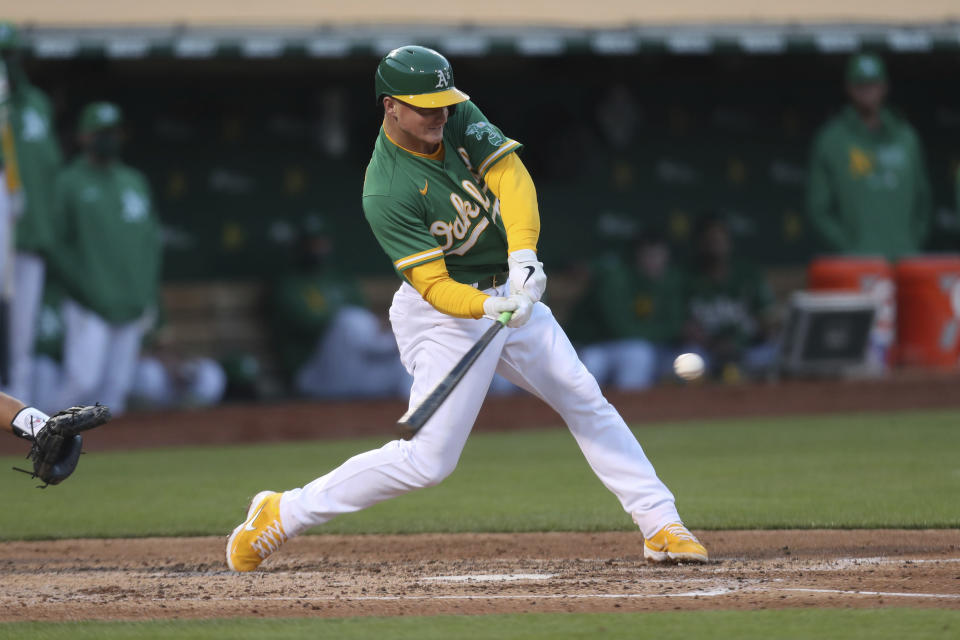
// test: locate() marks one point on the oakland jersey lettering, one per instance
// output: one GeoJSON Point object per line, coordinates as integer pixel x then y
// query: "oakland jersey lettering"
{"type": "Point", "coordinates": [422, 209]}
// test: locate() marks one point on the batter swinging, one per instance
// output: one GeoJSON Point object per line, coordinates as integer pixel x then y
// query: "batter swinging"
{"type": "Point", "coordinates": [454, 208]}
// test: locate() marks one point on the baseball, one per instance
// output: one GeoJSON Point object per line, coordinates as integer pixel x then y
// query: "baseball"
{"type": "Point", "coordinates": [688, 366]}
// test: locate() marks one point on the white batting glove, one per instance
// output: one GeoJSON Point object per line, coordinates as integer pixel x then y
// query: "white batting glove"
{"type": "Point", "coordinates": [526, 274]}
{"type": "Point", "coordinates": [519, 304]}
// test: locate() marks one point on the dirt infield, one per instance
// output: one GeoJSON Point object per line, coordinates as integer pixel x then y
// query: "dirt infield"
{"type": "Point", "coordinates": [334, 576]}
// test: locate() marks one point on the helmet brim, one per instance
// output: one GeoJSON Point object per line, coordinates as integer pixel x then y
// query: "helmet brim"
{"type": "Point", "coordinates": [443, 98]}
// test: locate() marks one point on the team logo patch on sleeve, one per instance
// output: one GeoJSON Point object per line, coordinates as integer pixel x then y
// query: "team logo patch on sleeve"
{"type": "Point", "coordinates": [481, 129]}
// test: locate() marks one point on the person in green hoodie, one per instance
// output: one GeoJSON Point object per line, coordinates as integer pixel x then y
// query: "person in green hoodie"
{"type": "Point", "coordinates": [30, 159]}
{"type": "Point", "coordinates": [107, 262]}
{"type": "Point", "coordinates": [868, 191]}
{"type": "Point", "coordinates": [329, 343]}
{"type": "Point", "coordinates": [629, 322]}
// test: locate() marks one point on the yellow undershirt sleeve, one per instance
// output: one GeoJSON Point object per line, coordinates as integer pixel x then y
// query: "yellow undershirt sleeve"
{"type": "Point", "coordinates": [446, 295]}
{"type": "Point", "coordinates": [511, 183]}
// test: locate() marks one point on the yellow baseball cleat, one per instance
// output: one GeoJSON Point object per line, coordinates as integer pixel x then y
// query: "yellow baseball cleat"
{"type": "Point", "coordinates": [674, 542]}
{"type": "Point", "coordinates": [262, 533]}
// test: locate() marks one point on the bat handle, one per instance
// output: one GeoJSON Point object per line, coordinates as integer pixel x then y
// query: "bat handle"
{"type": "Point", "coordinates": [505, 317]}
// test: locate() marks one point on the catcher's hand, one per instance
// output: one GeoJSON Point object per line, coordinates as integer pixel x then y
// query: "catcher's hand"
{"type": "Point", "coordinates": [56, 448]}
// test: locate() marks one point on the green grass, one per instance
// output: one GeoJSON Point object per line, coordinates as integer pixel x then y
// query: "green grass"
{"type": "Point", "coordinates": [883, 470]}
{"type": "Point", "coordinates": [882, 624]}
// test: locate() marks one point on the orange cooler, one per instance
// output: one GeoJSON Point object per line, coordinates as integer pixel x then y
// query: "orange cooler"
{"type": "Point", "coordinates": [862, 274]}
{"type": "Point", "coordinates": [928, 306]}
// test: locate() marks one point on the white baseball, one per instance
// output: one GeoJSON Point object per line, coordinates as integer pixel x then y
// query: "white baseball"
{"type": "Point", "coordinates": [688, 366]}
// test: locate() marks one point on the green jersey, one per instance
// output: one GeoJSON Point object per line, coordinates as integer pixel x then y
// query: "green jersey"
{"type": "Point", "coordinates": [49, 328]}
{"type": "Point", "coordinates": [38, 159]}
{"type": "Point", "coordinates": [302, 306]}
{"type": "Point", "coordinates": [732, 308]}
{"type": "Point", "coordinates": [623, 304]}
{"type": "Point", "coordinates": [109, 255]}
{"type": "Point", "coordinates": [422, 210]}
{"type": "Point", "coordinates": [868, 191]}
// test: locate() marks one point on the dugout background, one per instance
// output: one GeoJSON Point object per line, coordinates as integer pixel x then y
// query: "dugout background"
{"type": "Point", "coordinates": [239, 150]}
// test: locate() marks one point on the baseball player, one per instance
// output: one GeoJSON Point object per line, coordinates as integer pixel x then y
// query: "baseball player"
{"type": "Point", "coordinates": [108, 262]}
{"type": "Point", "coordinates": [456, 211]}
{"type": "Point", "coordinates": [26, 195]}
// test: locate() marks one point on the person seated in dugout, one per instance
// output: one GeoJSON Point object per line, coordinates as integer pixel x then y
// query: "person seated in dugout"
{"type": "Point", "coordinates": [628, 323]}
{"type": "Point", "coordinates": [329, 344]}
{"type": "Point", "coordinates": [730, 317]}
{"type": "Point", "coordinates": [166, 377]}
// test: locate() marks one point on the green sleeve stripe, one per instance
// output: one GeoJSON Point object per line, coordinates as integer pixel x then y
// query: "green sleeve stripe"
{"type": "Point", "coordinates": [505, 148]}
{"type": "Point", "coordinates": [418, 258]}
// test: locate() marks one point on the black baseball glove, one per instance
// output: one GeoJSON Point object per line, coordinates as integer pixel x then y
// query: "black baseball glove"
{"type": "Point", "coordinates": [56, 448]}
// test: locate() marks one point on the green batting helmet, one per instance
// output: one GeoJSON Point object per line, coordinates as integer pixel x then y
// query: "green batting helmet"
{"type": "Point", "coordinates": [99, 115]}
{"type": "Point", "coordinates": [418, 76]}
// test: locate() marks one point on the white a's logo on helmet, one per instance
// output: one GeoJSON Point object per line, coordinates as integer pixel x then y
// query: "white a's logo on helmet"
{"type": "Point", "coordinates": [443, 78]}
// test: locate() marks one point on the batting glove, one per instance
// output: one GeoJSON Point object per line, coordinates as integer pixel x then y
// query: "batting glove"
{"type": "Point", "coordinates": [519, 304]}
{"type": "Point", "coordinates": [526, 274]}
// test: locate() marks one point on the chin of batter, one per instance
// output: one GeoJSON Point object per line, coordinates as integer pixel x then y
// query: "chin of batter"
{"type": "Point", "coordinates": [454, 208]}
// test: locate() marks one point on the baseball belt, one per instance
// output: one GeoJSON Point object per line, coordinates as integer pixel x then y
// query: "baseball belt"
{"type": "Point", "coordinates": [490, 282]}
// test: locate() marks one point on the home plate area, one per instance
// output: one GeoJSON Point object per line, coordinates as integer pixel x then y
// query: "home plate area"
{"type": "Point", "coordinates": [343, 576]}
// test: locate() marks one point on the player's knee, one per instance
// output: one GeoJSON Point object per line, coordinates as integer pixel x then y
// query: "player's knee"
{"type": "Point", "coordinates": [434, 468]}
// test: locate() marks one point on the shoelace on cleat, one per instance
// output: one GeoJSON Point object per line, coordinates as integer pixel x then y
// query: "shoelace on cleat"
{"type": "Point", "coordinates": [270, 540]}
{"type": "Point", "coordinates": [680, 531]}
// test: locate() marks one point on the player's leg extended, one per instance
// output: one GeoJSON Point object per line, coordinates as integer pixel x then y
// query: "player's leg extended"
{"type": "Point", "coordinates": [540, 358]}
{"type": "Point", "coordinates": [430, 344]}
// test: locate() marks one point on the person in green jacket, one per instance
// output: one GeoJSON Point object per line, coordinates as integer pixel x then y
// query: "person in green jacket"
{"type": "Point", "coordinates": [729, 305]}
{"type": "Point", "coordinates": [107, 262]}
{"type": "Point", "coordinates": [868, 191]}
{"type": "Point", "coordinates": [628, 324]}
{"type": "Point", "coordinates": [30, 159]}
{"type": "Point", "coordinates": [330, 345]}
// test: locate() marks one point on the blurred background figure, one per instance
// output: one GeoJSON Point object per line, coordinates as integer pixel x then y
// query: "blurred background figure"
{"type": "Point", "coordinates": [631, 315]}
{"type": "Point", "coordinates": [107, 261]}
{"type": "Point", "coordinates": [29, 161]}
{"type": "Point", "coordinates": [957, 191]}
{"type": "Point", "coordinates": [164, 378]}
{"type": "Point", "coordinates": [729, 307]}
{"type": "Point", "coordinates": [329, 343]}
{"type": "Point", "coordinates": [48, 349]}
{"type": "Point", "coordinates": [868, 189]}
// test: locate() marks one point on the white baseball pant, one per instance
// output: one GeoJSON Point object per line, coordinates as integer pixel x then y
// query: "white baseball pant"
{"type": "Point", "coordinates": [355, 357]}
{"type": "Point", "coordinates": [192, 382]}
{"type": "Point", "coordinates": [99, 358]}
{"type": "Point", "coordinates": [631, 365]}
{"type": "Point", "coordinates": [537, 357]}
{"type": "Point", "coordinates": [29, 271]}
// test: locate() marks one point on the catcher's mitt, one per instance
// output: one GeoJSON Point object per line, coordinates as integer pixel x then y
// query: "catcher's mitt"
{"type": "Point", "coordinates": [56, 448]}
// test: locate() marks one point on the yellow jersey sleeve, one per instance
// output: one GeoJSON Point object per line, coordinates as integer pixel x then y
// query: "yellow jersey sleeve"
{"type": "Point", "coordinates": [511, 183]}
{"type": "Point", "coordinates": [446, 295]}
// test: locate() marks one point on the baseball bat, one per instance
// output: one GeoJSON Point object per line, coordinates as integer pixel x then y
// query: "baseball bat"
{"type": "Point", "coordinates": [417, 416]}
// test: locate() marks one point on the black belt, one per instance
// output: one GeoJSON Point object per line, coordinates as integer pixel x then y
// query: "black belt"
{"type": "Point", "coordinates": [490, 282]}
